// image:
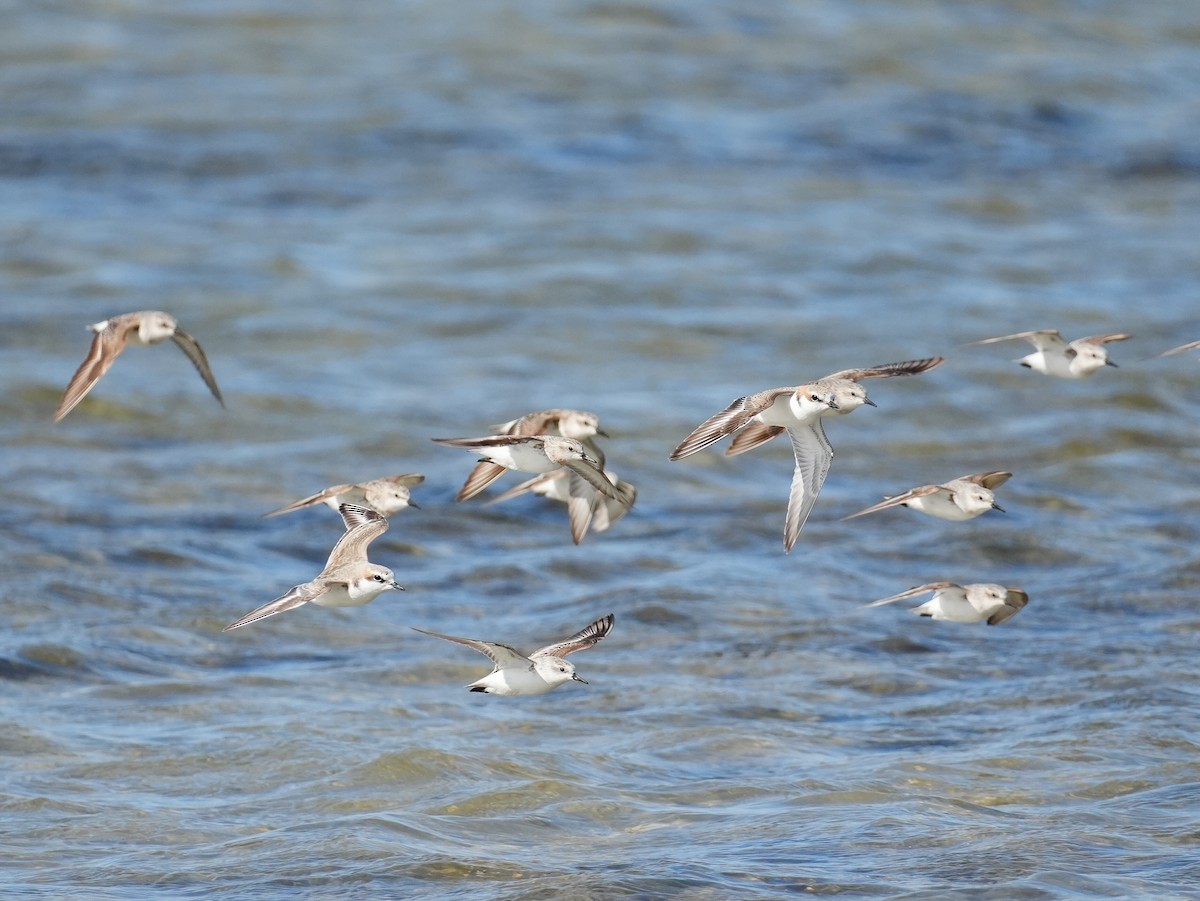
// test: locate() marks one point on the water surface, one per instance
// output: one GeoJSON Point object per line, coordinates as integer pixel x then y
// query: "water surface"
{"type": "Point", "coordinates": [395, 221]}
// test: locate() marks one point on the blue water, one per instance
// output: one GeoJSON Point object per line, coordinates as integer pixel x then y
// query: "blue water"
{"type": "Point", "coordinates": [387, 222]}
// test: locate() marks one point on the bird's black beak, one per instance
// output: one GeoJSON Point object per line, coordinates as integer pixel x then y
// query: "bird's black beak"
{"type": "Point", "coordinates": [996, 506]}
{"type": "Point", "coordinates": [579, 678]}
{"type": "Point", "coordinates": [414, 506]}
{"type": "Point", "coordinates": [868, 400]}
{"type": "Point", "coordinates": [602, 433]}
{"type": "Point", "coordinates": [1111, 363]}
{"type": "Point", "coordinates": [833, 404]}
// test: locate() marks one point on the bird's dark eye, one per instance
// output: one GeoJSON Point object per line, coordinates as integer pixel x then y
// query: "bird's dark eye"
{"type": "Point", "coordinates": [377, 577]}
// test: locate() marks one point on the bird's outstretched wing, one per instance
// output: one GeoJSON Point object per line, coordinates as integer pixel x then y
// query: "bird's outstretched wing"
{"type": "Point", "coordinates": [109, 341]}
{"type": "Point", "coordinates": [484, 473]}
{"type": "Point", "coordinates": [319, 497]}
{"type": "Point", "coordinates": [1183, 348]}
{"type": "Point", "coordinates": [501, 654]}
{"type": "Point", "coordinates": [889, 370]}
{"type": "Point", "coordinates": [1042, 339]}
{"type": "Point", "coordinates": [732, 418]}
{"type": "Point", "coordinates": [363, 525]}
{"type": "Point", "coordinates": [989, 480]}
{"type": "Point", "coordinates": [912, 592]}
{"type": "Point", "coordinates": [191, 349]}
{"type": "Point", "coordinates": [1101, 339]}
{"type": "Point", "coordinates": [923, 491]}
{"type": "Point", "coordinates": [752, 435]}
{"type": "Point", "coordinates": [581, 640]}
{"type": "Point", "coordinates": [594, 477]}
{"type": "Point", "coordinates": [813, 456]}
{"type": "Point", "coordinates": [296, 596]}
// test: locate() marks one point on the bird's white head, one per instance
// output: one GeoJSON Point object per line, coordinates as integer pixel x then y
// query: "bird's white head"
{"type": "Point", "coordinates": [556, 670]}
{"type": "Point", "coordinates": [848, 396]}
{"type": "Point", "coordinates": [809, 401]}
{"type": "Point", "coordinates": [156, 326]}
{"type": "Point", "coordinates": [579, 424]}
{"type": "Point", "coordinates": [372, 580]}
{"type": "Point", "coordinates": [572, 447]}
{"type": "Point", "coordinates": [986, 595]}
{"type": "Point", "coordinates": [390, 498]}
{"type": "Point", "coordinates": [977, 499]}
{"type": "Point", "coordinates": [1088, 358]}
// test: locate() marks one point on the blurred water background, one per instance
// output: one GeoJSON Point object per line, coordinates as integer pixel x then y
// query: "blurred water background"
{"type": "Point", "coordinates": [387, 221]}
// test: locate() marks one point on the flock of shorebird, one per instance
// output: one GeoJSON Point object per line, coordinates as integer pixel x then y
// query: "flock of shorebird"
{"type": "Point", "coordinates": [559, 448]}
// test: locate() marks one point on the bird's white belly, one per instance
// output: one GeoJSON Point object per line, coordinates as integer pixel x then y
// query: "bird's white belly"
{"type": "Point", "coordinates": [340, 596]}
{"type": "Point", "coordinates": [515, 681]}
{"type": "Point", "coordinates": [781, 412]}
{"type": "Point", "coordinates": [953, 607]}
{"type": "Point", "coordinates": [941, 506]}
{"type": "Point", "coordinates": [521, 457]}
{"type": "Point", "coordinates": [1049, 363]}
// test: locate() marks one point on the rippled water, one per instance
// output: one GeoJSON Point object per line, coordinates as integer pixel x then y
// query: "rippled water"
{"type": "Point", "coordinates": [393, 221]}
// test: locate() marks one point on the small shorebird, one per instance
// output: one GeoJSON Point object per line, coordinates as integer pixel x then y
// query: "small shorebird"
{"type": "Point", "coordinates": [978, 602]}
{"type": "Point", "coordinates": [387, 495]}
{"type": "Point", "coordinates": [143, 328]}
{"type": "Point", "coordinates": [348, 579]}
{"type": "Point", "coordinates": [798, 410]}
{"type": "Point", "coordinates": [957, 500]}
{"type": "Point", "coordinates": [538, 454]}
{"type": "Point", "coordinates": [586, 507]}
{"type": "Point", "coordinates": [578, 424]}
{"type": "Point", "coordinates": [542, 671]}
{"type": "Point", "coordinates": [1055, 356]}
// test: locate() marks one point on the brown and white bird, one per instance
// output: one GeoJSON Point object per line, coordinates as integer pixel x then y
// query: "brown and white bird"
{"type": "Point", "coordinates": [578, 424]}
{"type": "Point", "coordinates": [1058, 357]}
{"type": "Point", "coordinates": [349, 579]}
{"type": "Point", "coordinates": [144, 328]}
{"type": "Point", "coordinates": [975, 603]}
{"type": "Point", "coordinates": [388, 495]}
{"type": "Point", "coordinates": [538, 454]}
{"type": "Point", "coordinates": [542, 671]}
{"type": "Point", "coordinates": [957, 500]}
{"type": "Point", "coordinates": [799, 411]}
